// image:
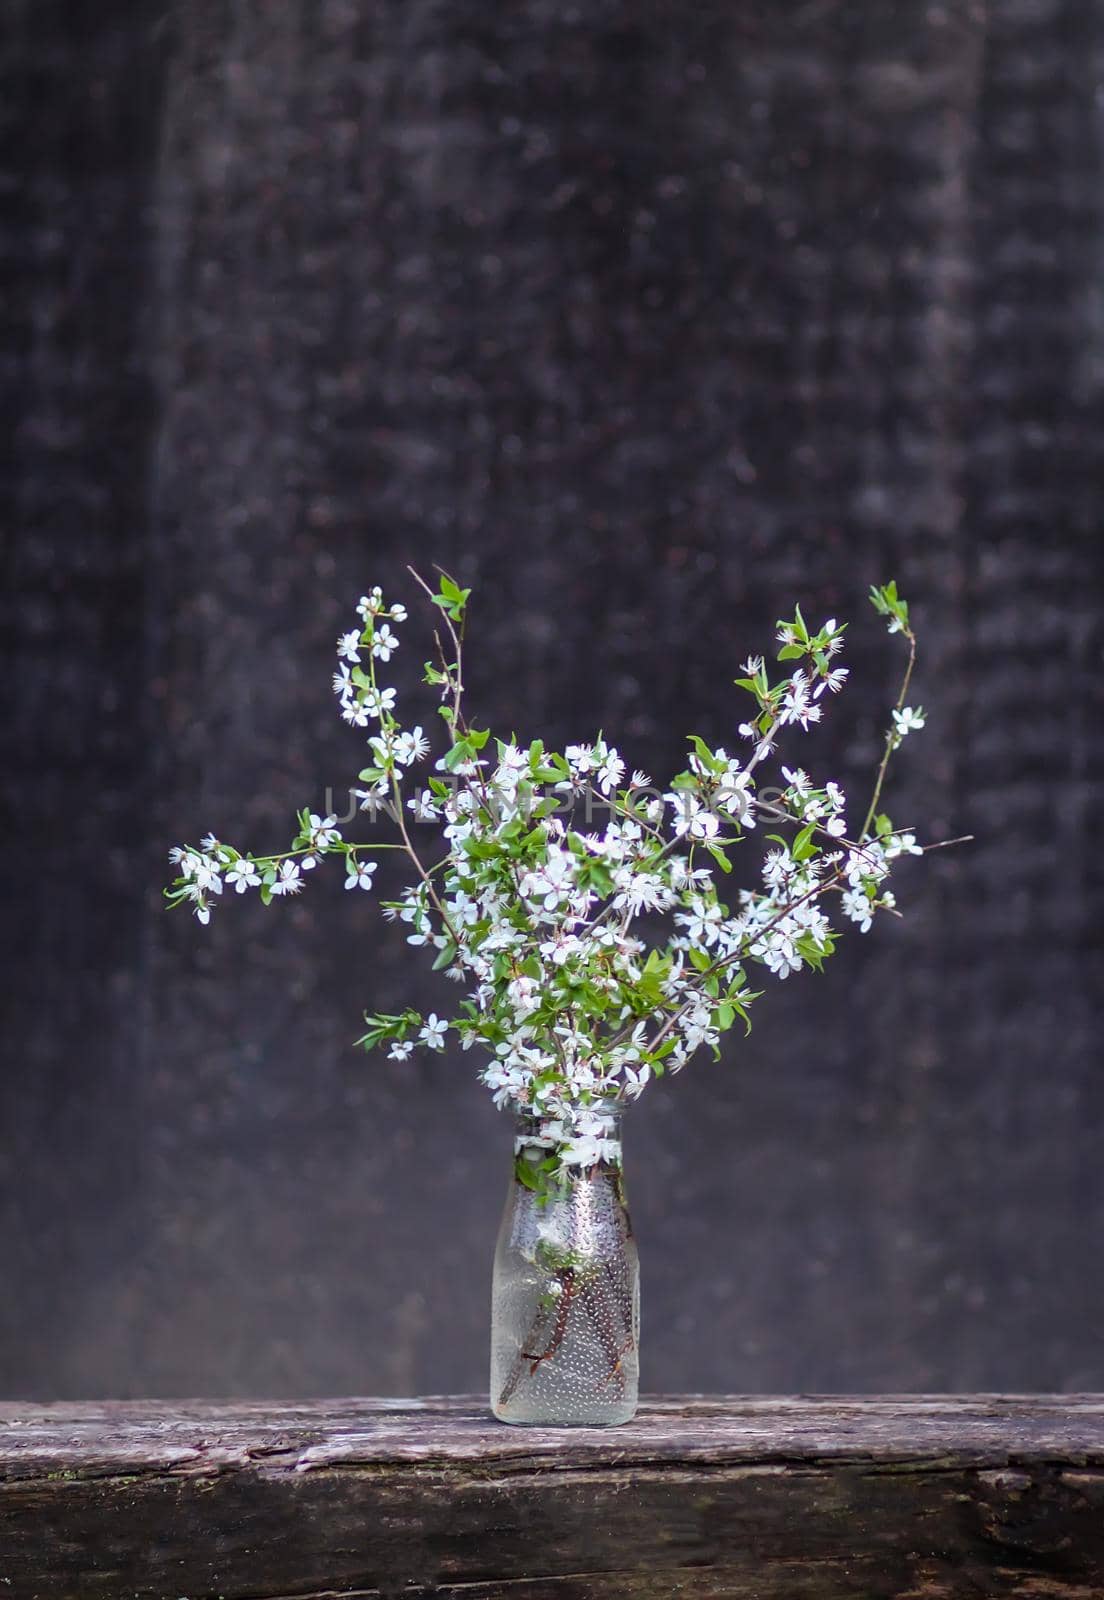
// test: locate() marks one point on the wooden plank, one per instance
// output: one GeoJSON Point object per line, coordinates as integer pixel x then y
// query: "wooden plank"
{"type": "Point", "coordinates": [800, 1499]}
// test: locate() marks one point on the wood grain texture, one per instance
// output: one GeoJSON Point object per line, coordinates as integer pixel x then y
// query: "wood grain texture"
{"type": "Point", "coordinates": [807, 1499]}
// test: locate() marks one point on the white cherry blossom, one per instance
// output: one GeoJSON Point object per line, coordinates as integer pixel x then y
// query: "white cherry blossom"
{"type": "Point", "coordinates": [384, 643]}
{"type": "Point", "coordinates": [591, 926]}
{"type": "Point", "coordinates": [323, 833]}
{"type": "Point", "coordinates": [433, 1033]}
{"type": "Point", "coordinates": [908, 719]}
{"type": "Point", "coordinates": [360, 873]}
{"type": "Point", "coordinates": [243, 875]}
{"type": "Point", "coordinates": [411, 746]}
{"type": "Point", "coordinates": [288, 879]}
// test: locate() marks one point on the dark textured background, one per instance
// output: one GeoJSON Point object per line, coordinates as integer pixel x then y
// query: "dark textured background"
{"type": "Point", "coordinates": [646, 319]}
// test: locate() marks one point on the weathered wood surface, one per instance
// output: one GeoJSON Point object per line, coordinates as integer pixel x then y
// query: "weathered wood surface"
{"type": "Point", "coordinates": [777, 1499]}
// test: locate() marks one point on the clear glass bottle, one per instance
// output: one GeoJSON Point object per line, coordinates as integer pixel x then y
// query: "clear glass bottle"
{"type": "Point", "coordinates": [565, 1316]}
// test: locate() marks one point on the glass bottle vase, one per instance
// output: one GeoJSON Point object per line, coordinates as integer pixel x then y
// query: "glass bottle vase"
{"type": "Point", "coordinates": [565, 1316]}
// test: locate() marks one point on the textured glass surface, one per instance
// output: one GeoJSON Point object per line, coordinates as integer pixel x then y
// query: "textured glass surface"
{"type": "Point", "coordinates": [566, 1304]}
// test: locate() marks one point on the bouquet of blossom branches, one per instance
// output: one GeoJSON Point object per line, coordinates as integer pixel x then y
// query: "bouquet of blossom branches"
{"type": "Point", "coordinates": [582, 912]}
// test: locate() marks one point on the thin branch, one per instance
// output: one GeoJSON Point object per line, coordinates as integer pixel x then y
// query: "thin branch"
{"type": "Point", "coordinates": [741, 952]}
{"type": "Point", "coordinates": [892, 739]}
{"type": "Point", "coordinates": [745, 946]}
{"type": "Point", "coordinates": [456, 682]}
{"type": "Point", "coordinates": [791, 816]}
{"type": "Point", "coordinates": [420, 869]}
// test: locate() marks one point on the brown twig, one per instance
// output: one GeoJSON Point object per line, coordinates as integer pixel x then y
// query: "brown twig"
{"type": "Point", "coordinates": [892, 740]}
{"type": "Point", "coordinates": [566, 1280]}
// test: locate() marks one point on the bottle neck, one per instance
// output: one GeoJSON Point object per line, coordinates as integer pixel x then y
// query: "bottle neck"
{"type": "Point", "coordinates": [578, 1136]}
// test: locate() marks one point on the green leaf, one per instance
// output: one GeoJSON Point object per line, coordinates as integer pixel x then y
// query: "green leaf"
{"type": "Point", "coordinates": [811, 952]}
{"type": "Point", "coordinates": [888, 603]}
{"type": "Point", "coordinates": [719, 856]}
{"type": "Point", "coordinates": [451, 598]}
{"type": "Point", "coordinates": [595, 875]}
{"type": "Point", "coordinates": [461, 751]}
{"type": "Point", "coordinates": [803, 846]}
{"type": "Point", "coordinates": [386, 1026]}
{"type": "Point", "coordinates": [705, 755]}
{"type": "Point", "coordinates": [445, 957]}
{"type": "Point", "coordinates": [526, 1173]}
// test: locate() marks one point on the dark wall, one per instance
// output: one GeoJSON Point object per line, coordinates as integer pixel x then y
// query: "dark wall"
{"type": "Point", "coordinates": [645, 319]}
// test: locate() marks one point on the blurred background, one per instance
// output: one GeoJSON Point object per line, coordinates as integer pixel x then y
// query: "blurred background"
{"type": "Point", "coordinates": [646, 320]}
